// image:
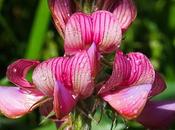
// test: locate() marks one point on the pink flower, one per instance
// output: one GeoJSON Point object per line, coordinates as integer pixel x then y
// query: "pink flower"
{"type": "Point", "coordinates": [59, 81]}
{"type": "Point", "coordinates": [100, 27]}
{"type": "Point", "coordinates": [104, 27]}
{"type": "Point", "coordinates": [158, 115]}
{"type": "Point", "coordinates": [131, 84]}
{"type": "Point", "coordinates": [124, 11]}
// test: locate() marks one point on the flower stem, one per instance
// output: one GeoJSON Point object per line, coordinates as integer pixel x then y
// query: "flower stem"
{"type": "Point", "coordinates": [81, 120]}
{"type": "Point", "coordinates": [107, 63]}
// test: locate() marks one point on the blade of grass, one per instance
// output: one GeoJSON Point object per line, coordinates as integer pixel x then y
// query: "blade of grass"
{"type": "Point", "coordinates": [38, 31]}
{"type": "Point", "coordinates": [1, 4]}
{"type": "Point", "coordinates": [171, 20]}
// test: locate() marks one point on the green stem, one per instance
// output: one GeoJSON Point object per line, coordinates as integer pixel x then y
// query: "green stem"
{"type": "Point", "coordinates": [77, 120]}
{"type": "Point", "coordinates": [107, 63]}
{"type": "Point", "coordinates": [81, 121]}
{"type": "Point", "coordinates": [1, 4]}
{"type": "Point", "coordinates": [85, 5]}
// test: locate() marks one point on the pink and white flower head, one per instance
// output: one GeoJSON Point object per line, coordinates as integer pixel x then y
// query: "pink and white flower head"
{"type": "Point", "coordinates": [103, 27]}
{"type": "Point", "coordinates": [131, 84]}
{"type": "Point", "coordinates": [100, 27]}
{"type": "Point", "coordinates": [59, 83]}
{"type": "Point", "coordinates": [124, 11]}
{"type": "Point", "coordinates": [63, 81]}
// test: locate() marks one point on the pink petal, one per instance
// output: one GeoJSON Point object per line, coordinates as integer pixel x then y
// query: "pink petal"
{"type": "Point", "coordinates": [15, 102]}
{"type": "Point", "coordinates": [17, 72]}
{"type": "Point", "coordinates": [130, 70]}
{"type": "Point", "coordinates": [129, 102]}
{"type": "Point", "coordinates": [101, 28]}
{"type": "Point", "coordinates": [61, 12]}
{"type": "Point", "coordinates": [158, 115]}
{"type": "Point", "coordinates": [78, 33]}
{"type": "Point", "coordinates": [106, 31]}
{"type": "Point", "coordinates": [142, 70]}
{"type": "Point", "coordinates": [125, 11]}
{"type": "Point", "coordinates": [63, 100]}
{"type": "Point", "coordinates": [94, 58]}
{"type": "Point", "coordinates": [76, 73]}
{"type": "Point", "coordinates": [44, 76]}
{"type": "Point", "coordinates": [83, 73]}
{"type": "Point", "coordinates": [158, 86]}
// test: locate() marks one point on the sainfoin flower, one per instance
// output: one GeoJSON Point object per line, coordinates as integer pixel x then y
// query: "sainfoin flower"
{"type": "Point", "coordinates": [130, 88]}
{"type": "Point", "coordinates": [131, 84]}
{"type": "Point", "coordinates": [60, 81]}
{"type": "Point", "coordinates": [103, 27]}
{"type": "Point", "coordinates": [123, 10]}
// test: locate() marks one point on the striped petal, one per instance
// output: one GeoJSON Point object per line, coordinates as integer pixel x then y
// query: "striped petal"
{"type": "Point", "coordinates": [129, 102]}
{"type": "Point", "coordinates": [17, 72]}
{"type": "Point", "coordinates": [78, 33]}
{"type": "Point", "coordinates": [63, 100]}
{"type": "Point", "coordinates": [82, 77]}
{"type": "Point", "coordinates": [142, 70]}
{"type": "Point", "coordinates": [125, 11]}
{"type": "Point", "coordinates": [61, 11]}
{"type": "Point", "coordinates": [94, 58]}
{"type": "Point", "coordinates": [83, 71]}
{"type": "Point", "coordinates": [130, 70]}
{"type": "Point", "coordinates": [76, 73]}
{"type": "Point", "coordinates": [158, 86]}
{"type": "Point", "coordinates": [101, 28]}
{"type": "Point", "coordinates": [16, 102]}
{"type": "Point", "coordinates": [106, 31]}
{"type": "Point", "coordinates": [158, 115]}
{"type": "Point", "coordinates": [44, 76]}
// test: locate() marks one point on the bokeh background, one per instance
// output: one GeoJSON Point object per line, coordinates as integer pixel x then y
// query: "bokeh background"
{"type": "Point", "coordinates": [27, 31]}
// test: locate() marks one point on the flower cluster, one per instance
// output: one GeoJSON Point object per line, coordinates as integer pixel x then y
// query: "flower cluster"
{"type": "Point", "coordinates": [90, 29]}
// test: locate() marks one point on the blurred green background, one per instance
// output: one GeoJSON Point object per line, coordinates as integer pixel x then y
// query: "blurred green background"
{"type": "Point", "coordinates": [27, 31]}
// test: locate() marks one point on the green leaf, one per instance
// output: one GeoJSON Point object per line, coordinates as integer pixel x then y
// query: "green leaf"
{"type": "Point", "coordinates": [38, 31]}
{"type": "Point", "coordinates": [48, 126]}
{"type": "Point", "coordinates": [171, 17]}
{"type": "Point", "coordinates": [1, 4]}
{"type": "Point", "coordinates": [52, 113]}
